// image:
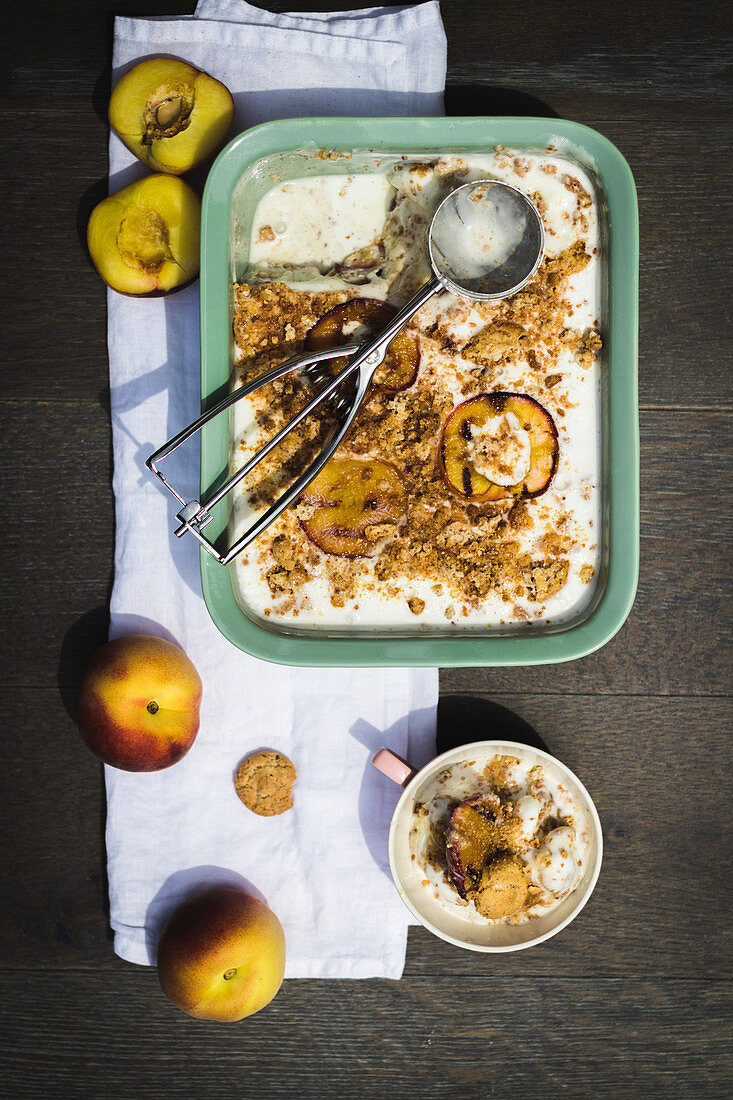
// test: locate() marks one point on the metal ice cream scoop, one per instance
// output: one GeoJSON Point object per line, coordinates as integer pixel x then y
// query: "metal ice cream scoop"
{"type": "Point", "coordinates": [485, 242]}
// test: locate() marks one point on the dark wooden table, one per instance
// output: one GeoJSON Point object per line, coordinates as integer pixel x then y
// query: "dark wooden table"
{"type": "Point", "coordinates": [633, 999]}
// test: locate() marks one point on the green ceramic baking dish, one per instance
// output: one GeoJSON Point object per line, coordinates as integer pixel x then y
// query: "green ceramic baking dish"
{"type": "Point", "coordinates": [240, 176]}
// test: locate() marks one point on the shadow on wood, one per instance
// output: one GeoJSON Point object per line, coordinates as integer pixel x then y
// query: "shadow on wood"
{"type": "Point", "coordinates": [463, 719]}
{"type": "Point", "coordinates": [484, 99]}
{"type": "Point", "coordinates": [90, 198]}
{"type": "Point", "coordinates": [80, 641]}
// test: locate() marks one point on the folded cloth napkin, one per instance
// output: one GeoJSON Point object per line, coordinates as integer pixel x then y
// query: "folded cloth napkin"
{"type": "Point", "coordinates": [322, 865]}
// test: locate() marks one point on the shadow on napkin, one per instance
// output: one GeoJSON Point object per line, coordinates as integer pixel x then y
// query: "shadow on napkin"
{"type": "Point", "coordinates": [181, 886]}
{"type": "Point", "coordinates": [182, 468]}
{"type": "Point", "coordinates": [138, 624]}
{"type": "Point", "coordinates": [378, 795]}
{"type": "Point", "coordinates": [253, 108]}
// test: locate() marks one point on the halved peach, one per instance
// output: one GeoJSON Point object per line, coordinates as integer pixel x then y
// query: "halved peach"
{"type": "Point", "coordinates": [473, 836]}
{"type": "Point", "coordinates": [355, 503]}
{"type": "Point", "coordinates": [358, 319]}
{"type": "Point", "coordinates": [169, 114]}
{"type": "Point", "coordinates": [144, 239]}
{"type": "Point", "coordinates": [455, 447]}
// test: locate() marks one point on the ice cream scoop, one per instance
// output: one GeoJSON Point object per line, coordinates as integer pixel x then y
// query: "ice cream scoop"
{"type": "Point", "coordinates": [485, 242]}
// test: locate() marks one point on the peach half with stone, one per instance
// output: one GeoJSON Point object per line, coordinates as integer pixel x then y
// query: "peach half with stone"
{"type": "Point", "coordinates": [169, 114]}
{"type": "Point", "coordinates": [144, 239]}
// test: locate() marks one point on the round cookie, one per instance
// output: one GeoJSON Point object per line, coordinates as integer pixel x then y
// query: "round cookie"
{"type": "Point", "coordinates": [264, 783]}
{"type": "Point", "coordinates": [503, 887]}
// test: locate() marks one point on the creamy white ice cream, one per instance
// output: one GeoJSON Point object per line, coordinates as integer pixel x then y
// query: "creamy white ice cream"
{"type": "Point", "coordinates": [302, 231]}
{"type": "Point", "coordinates": [500, 449]}
{"type": "Point", "coordinates": [552, 835]}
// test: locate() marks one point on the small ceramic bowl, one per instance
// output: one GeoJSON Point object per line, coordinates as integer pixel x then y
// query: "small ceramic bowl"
{"type": "Point", "coordinates": [408, 878]}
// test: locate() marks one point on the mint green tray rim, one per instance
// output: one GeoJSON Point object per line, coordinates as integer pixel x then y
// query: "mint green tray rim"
{"type": "Point", "coordinates": [620, 503]}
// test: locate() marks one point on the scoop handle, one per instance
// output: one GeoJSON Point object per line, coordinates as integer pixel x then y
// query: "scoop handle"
{"type": "Point", "coordinates": [373, 351]}
{"type": "Point", "coordinates": [393, 766]}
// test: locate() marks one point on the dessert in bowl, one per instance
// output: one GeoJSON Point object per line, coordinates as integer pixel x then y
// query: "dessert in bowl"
{"type": "Point", "coordinates": [493, 846]}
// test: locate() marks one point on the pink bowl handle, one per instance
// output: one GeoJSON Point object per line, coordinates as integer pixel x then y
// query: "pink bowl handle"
{"type": "Point", "coordinates": [393, 766]}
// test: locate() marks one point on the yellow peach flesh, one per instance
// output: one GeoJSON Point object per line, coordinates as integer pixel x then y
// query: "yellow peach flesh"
{"type": "Point", "coordinates": [170, 115]}
{"type": "Point", "coordinates": [145, 238]}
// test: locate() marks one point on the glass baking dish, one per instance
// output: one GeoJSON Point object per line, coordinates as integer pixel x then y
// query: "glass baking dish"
{"type": "Point", "coordinates": [283, 150]}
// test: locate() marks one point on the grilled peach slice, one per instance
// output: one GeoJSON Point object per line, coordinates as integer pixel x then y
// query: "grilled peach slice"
{"type": "Point", "coordinates": [472, 838]}
{"type": "Point", "coordinates": [169, 114]}
{"type": "Point", "coordinates": [358, 319]}
{"type": "Point", "coordinates": [144, 239]}
{"type": "Point", "coordinates": [355, 502]}
{"type": "Point", "coordinates": [467, 430]}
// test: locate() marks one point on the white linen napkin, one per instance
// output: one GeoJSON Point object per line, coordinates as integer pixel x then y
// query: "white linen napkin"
{"type": "Point", "coordinates": [322, 866]}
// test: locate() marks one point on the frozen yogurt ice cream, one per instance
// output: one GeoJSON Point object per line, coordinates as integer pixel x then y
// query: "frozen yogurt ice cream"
{"type": "Point", "coordinates": [506, 842]}
{"type": "Point", "coordinates": [489, 419]}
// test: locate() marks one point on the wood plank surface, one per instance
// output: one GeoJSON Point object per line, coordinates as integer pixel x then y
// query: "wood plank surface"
{"type": "Point", "coordinates": [477, 1037]}
{"type": "Point", "coordinates": [634, 998]}
{"type": "Point", "coordinates": [647, 60]}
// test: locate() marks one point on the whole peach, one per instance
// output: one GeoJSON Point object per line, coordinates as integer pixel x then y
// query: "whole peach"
{"type": "Point", "coordinates": [221, 955]}
{"type": "Point", "coordinates": [139, 703]}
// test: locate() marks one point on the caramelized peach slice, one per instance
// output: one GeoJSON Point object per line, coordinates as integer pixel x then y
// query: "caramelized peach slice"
{"type": "Point", "coordinates": [169, 114]}
{"type": "Point", "coordinates": [354, 502]}
{"type": "Point", "coordinates": [358, 319]}
{"type": "Point", "coordinates": [472, 838]}
{"type": "Point", "coordinates": [144, 239]}
{"type": "Point", "coordinates": [472, 459]}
